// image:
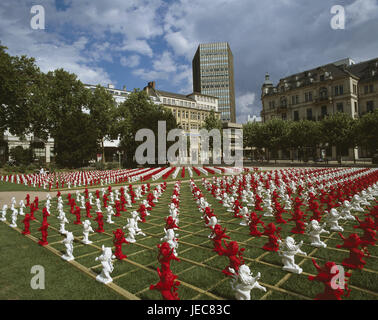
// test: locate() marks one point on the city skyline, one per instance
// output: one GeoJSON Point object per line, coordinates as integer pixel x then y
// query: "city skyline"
{"type": "Point", "coordinates": [131, 43]}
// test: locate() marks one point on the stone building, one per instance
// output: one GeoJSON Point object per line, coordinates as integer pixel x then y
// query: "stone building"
{"type": "Point", "coordinates": [189, 110]}
{"type": "Point", "coordinates": [342, 86]}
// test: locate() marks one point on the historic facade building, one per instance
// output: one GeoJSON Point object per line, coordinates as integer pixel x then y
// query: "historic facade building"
{"type": "Point", "coordinates": [342, 86]}
{"type": "Point", "coordinates": [189, 110]}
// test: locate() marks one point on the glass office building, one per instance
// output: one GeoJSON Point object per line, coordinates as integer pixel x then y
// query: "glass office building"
{"type": "Point", "coordinates": [213, 75]}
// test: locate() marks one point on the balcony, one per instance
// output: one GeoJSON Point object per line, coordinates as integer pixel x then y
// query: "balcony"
{"type": "Point", "coordinates": [281, 109]}
{"type": "Point", "coordinates": [323, 100]}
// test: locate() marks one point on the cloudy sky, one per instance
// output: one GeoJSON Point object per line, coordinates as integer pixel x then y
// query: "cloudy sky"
{"type": "Point", "coordinates": [131, 42]}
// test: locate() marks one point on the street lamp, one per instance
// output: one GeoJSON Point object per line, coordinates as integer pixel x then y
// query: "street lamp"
{"type": "Point", "coordinates": [119, 157]}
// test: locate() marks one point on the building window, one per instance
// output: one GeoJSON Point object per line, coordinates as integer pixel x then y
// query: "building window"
{"type": "Point", "coordinates": [283, 102]}
{"type": "Point", "coordinates": [355, 107]}
{"type": "Point", "coordinates": [354, 89]}
{"type": "Point", "coordinates": [369, 89]}
{"type": "Point", "coordinates": [370, 106]}
{"type": "Point", "coordinates": [283, 115]}
{"type": "Point", "coordinates": [309, 114]}
{"type": "Point", "coordinates": [323, 93]}
{"type": "Point", "coordinates": [296, 115]}
{"type": "Point", "coordinates": [308, 96]}
{"type": "Point", "coordinates": [339, 107]}
{"type": "Point", "coordinates": [324, 111]}
{"type": "Point", "coordinates": [339, 90]}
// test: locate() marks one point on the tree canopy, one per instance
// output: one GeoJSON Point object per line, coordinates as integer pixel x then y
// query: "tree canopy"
{"type": "Point", "coordinates": [139, 112]}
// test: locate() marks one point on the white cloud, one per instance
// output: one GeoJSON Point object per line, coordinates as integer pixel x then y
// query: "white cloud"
{"type": "Point", "coordinates": [163, 66]}
{"type": "Point", "coordinates": [133, 19]}
{"type": "Point", "coordinates": [131, 61]}
{"type": "Point", "coordinates": [164, 63]}
{"type": "Point", "coordinates": [246, 105]}
{"type": "Point", "coordinates": [50, 50]}
{"type": "Point", "coordinates": [180, 45]}
{"type": "Point", "coordinates": [139, 46]}
{"type": "Point", "coordinates": [361, 11]}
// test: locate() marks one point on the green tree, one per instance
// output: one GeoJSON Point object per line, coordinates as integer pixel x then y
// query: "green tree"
{"type": "Point", "coordinates": [255, 136]}
{"type": "Point", "coordinates": [102, 109]}
{"type": "Point", "coordinates": [277, 136]}
{"type": "Point", "coordinates": [22, 110]}
{"type": "Point", "coordinates": [366, 131]}
{"type": "Point", "coordinates": [338, 130]}
{"type": "Point", "coordinates": [212, 122]}
{"type": "Point", "coordinates": [304, 136]}
{"type": "Point", "coordinates": [21, 156]}
{"type": "Point", "coordinates": [75, 141]}
{"type": "Point", "coordinates": [135, 113]}
{"type": "Point", "coordinates": [73, 131]}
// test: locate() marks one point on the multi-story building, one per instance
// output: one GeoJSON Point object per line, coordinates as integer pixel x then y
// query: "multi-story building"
{"type": "Point", "coordinates": [119, 95]}
{"type": "Point", "coordinates": [213, 75]}
{"type": "Point", "coordinates": [342, 86]}
{"type": "Point", "coordinates": [189, 110]}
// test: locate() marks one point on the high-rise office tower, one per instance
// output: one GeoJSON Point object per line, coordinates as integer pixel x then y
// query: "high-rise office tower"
{"type": "Point", "coordinates": [213, 74]}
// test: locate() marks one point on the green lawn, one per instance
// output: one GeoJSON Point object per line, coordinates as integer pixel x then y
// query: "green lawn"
{"type": "Point", "coordinates": [62, 281]}
{"type": "Point", "coordinates": [199, 270]}
{"type": "Point", "coordinates": [8, 186]}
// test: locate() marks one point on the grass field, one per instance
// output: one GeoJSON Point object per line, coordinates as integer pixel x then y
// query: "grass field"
{"type": "Point", "coordinates": [8, 186]}
{"type": "Point", "coordinates": [199, 270]}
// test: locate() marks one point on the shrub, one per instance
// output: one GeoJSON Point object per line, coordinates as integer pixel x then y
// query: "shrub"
{"type": "Point", "coordinates": [112, 165]}
{"type": "Point", "coordinates": [100, 166]}
{"type": "Point", "coordinates": [21, 156]}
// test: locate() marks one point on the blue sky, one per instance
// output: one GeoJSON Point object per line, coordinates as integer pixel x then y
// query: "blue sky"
{"type": "Point", "coordinates": [131, 42]}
